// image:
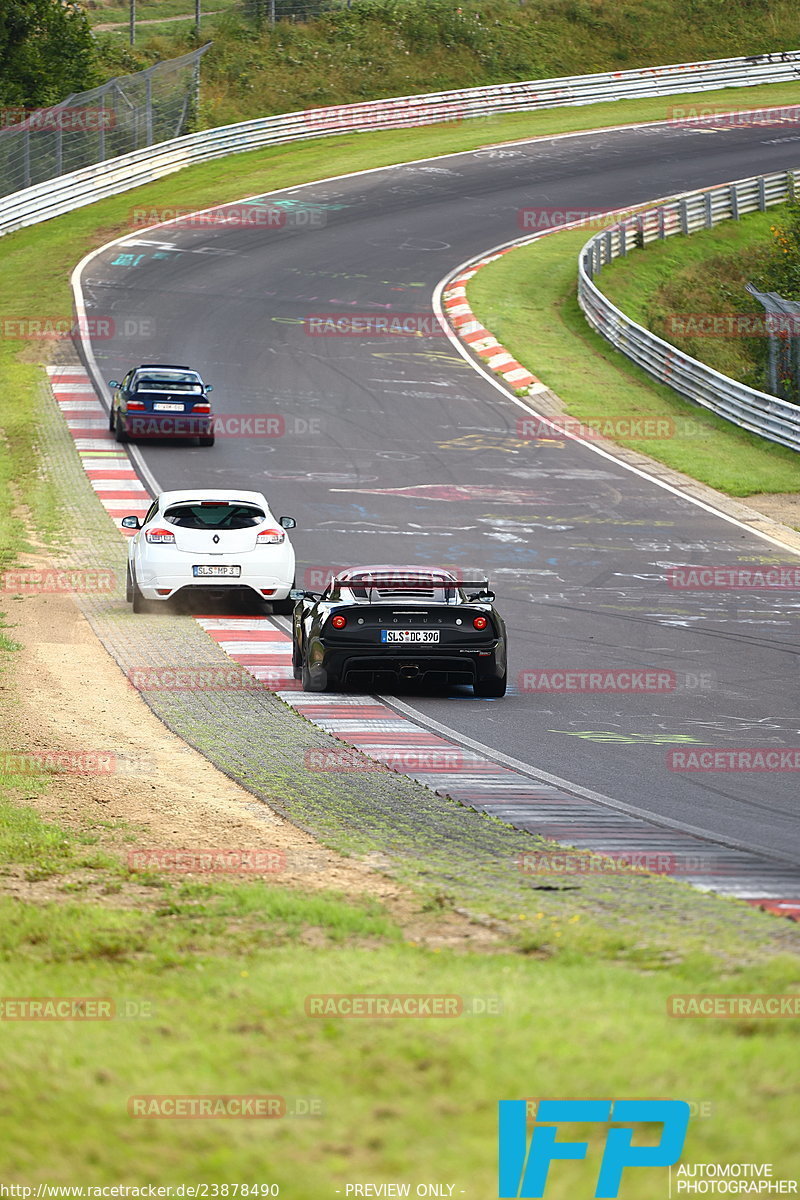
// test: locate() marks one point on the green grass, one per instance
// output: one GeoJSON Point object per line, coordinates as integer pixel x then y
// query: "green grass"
{"type": "Point", "coordinates": [209, 985]}
{"type": "Point", "coordinates": [223, 968]}
{"type": "Point", "coordinates": [703, 273]}
{"type": "Point", "coordinates": [399, 47]}
{"type": "Point", "coordinates": [528, 300]}
{"type": "Point", "coordinates": [103, 12]}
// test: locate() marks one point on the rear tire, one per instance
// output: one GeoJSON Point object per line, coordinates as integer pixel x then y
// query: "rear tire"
{"type": "Point", "coordinates": [111, 420]}
{"type": "Point", "coordinates": [128, 585]}
{"type": "Point", "coordinates": [119, 430]}
{"type": "Point", "coordinates": [314, 681]}
{"type": "Point", "coordinates": [206, 441]}
{"type": "Point", "coordinates": [489, 688]}
{"type": "Point", "coordinates": [297, 666]}
{"type": "Point", "coordinates": [140, 603]}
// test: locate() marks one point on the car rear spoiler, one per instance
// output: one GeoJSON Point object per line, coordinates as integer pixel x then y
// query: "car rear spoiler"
{"type": "Point", "coordinates": [409, 584]}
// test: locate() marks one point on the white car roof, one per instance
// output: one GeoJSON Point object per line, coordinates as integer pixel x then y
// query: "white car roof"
{"type": "Point", "coordinates": [194, 495]}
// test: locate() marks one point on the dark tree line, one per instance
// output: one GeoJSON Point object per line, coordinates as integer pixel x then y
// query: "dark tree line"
{"type": "Point", "coordinates": [46, 52]}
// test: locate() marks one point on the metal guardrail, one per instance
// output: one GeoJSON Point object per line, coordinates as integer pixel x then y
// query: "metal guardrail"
{"type": "Point", "coordinates": [68, 192]}
{"type": "Point", "coordinates": [758, 412]}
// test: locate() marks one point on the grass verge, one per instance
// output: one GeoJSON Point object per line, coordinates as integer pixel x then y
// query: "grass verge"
{"type": "Point", "coordinates": [209, 983]}
{"type": "Point", "coordinates": [528, 300]}
{"type": "Point", "coordinates": [376, 48]}
{"type": "Point", "coordinates": [705, 273]}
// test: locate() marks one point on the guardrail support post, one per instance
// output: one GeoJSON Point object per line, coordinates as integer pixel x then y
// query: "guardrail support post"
{"type": "Point", "coordinates": [734, 196]}
{"type": "Point", "coordinates": [762, 194]}
{"type": "Point", "coordinates": [684, 211]}
{"type": "Point", "coordinates": [709, 211]}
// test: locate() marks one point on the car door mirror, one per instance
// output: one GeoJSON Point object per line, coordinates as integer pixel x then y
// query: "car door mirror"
{"type": "Point", "coordinates": [113, 383]}
{"type": "Point", "coordinates": [209, 387]}
{"type": "Point", "coordinates": [130, 523]}
{"type": "Point", "coordinates": [288, 522]}
{"type": "Point", "coordinates": [297, 594]}
{"type": "Point", "coordinates": [486, 597]}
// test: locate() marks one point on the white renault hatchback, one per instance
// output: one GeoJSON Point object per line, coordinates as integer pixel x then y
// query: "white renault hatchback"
{"type": "Point", "coordinates": [211, 540]}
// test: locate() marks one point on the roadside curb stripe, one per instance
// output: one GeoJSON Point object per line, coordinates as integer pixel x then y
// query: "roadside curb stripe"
{"type": "Point", "coordinates": [106, 464]}
{"type": "Point", "coordinates": [385, 737]}
{"type": "Point", "coordinates": [469, 329]}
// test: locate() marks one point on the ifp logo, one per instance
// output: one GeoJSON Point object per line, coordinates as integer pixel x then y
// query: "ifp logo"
{"type": "Point", "coordinates": [524, 1168]}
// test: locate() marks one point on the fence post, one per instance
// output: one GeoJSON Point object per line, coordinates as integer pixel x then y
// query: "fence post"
{"type": "Point", "coordinates": [148, 113]}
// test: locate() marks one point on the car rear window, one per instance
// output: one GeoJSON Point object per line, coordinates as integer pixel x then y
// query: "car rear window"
{"type": "Point", "coordinates": [212, 515]}
{"type": "Point", "coordinates": [149, 384]}
{"type": "Point", "coordinates": [393, 594]}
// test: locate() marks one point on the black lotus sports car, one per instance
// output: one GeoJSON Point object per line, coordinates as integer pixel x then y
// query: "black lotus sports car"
{"type": "Point", "coordinates": [375, 627]}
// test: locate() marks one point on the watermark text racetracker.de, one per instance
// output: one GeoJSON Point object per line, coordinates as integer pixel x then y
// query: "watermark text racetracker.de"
{"type": "Point", "coordinates": [635, 428]}
{"type": "Point", "coordinates": [318, 576]}
{"type": "Point", "coordinates": [625, 680]}
{"type": "Point", "coordinates": [64, 762]}
{"type": "Point", "coordinates": [57, 119]}
{"type": "Point", "coordinates": [390, 324]}
{"type": "Point", "coordinates": [688, 116]}
{"type": "Point", "coordinates": [73, 1008]}
{"type": "Point", "coordinates": [70, 580]}
{"type": "Point", "coordinates": [725, 578]}
{"type": "Point", "coordinates": [613, 680]}
{"type": "Point", "coordinates": [549, 217]}
{"type": "Point", "coordinates": [63, 327]}
{"type": "Point", "coordinates": [398, 1004]}
{"type": "Point", "coordinates": [228, 860]}
{"type": "Point", "coordinates": [232, 216]}
{"type": "Point", "coordinates": [732, 325]}
{"type": "Point", "coordinates": [746, 758]}
{"type": "Point", "coordinates": [224, 425]}
{"type": "Point", "coordinates": [734, 1005]}
{"type": "Point", "coordinates": [629, 862]}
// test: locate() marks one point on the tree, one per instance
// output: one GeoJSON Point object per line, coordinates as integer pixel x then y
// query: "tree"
{"type": "Point", "coordinates": [46, 52]}
{"type": "Point", "coordinates": [782, 273]}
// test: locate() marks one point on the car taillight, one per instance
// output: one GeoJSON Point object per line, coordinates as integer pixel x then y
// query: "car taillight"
{"type": "Point", "coordinates": [270, 537]}
{"type": "Point", "coordinates": [136, 405]}
{"type": "Point", "coordinates": [202, 408]}
{"type": "Point", "coordinates": [159, 535]}
{"type": "Point", "coordinates": [338, 622]}
{"type": "Point", "coordinates": [480, 622]}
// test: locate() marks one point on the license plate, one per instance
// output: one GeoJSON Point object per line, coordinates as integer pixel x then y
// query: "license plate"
{"type": "Point", "coordinates": [168, 408]}
{"type": "Point", "coordinates": [231, 572]}
{"type": "Point", "coordinates": [404, 636]}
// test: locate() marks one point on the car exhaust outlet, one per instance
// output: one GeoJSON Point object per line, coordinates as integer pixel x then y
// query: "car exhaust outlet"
{"type": "Point", "coordinates": [409, 672]}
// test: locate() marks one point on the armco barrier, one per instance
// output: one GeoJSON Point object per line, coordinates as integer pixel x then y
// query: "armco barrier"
{"type": "Point", "coordinates": [755, 411]}
{"type": "Point", "coordinates": [68, 192]}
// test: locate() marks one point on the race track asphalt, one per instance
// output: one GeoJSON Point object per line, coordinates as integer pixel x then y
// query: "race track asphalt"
{"type": "Point", "coordinates": [395, 451]}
